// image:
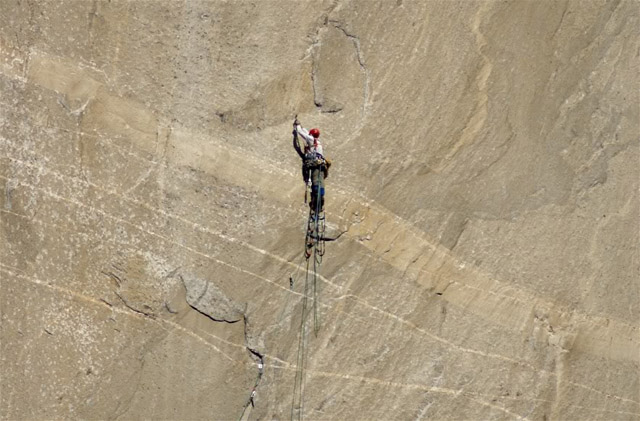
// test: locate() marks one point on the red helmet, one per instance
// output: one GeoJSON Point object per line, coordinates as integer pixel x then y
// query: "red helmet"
{"type": "Point", "coordinates": [315, 133]}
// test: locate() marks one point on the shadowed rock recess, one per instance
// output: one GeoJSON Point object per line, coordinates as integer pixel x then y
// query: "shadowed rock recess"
{"type": "Point", "coordinates": [484, 190]}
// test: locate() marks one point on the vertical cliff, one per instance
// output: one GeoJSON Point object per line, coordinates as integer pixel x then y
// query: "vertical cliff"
{"type": "Point", "coordinates": [484, 188]}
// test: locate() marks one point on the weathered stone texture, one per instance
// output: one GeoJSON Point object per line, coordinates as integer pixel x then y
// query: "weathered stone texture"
{"type": "Point", "coordinates": [485, 189]}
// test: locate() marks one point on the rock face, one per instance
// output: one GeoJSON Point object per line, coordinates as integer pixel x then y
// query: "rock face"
{"type": "Point", "coordinates": [484, 187]}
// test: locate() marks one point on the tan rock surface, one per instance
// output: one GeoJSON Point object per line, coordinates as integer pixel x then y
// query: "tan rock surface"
{"type": "Point", "coordinates": [485, 186]}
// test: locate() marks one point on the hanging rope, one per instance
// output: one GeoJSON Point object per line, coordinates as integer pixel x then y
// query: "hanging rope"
{"type": "Point", "coordinates": [314, 246]}
{"type": "Point", "coordinates": [298, 387]}
{"type": "Point", "coordinates": [317, 259]}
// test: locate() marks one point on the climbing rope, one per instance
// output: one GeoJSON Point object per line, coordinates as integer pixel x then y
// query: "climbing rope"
{"type": "Point", "coordinates": [298, 264]}
{"type": "Point", "coordinates": [314, 247]}
{"type": "Point", "coordinates": [298, 388]}
{"type": "Point", "coordinates": [317, 258]}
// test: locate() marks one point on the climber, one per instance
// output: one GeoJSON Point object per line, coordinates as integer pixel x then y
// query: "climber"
{"type": "Point", "coordinates": [315, 168]}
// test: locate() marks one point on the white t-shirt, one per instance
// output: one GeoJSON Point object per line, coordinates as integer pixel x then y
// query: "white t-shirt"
{"type": "Point", "coordinates": [311, 143]}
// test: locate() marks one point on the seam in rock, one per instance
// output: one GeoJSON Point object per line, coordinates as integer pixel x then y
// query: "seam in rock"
{"type": "Point", "coordinates": [259, 357]}
{"type": "Point", "coordinates": [315, 43]}
{"type": "Point", "coordinates": [564, 13]}
{"type": "Point", "coordinates": [314, 87]}
{"type": "Point", "coordinates": [356, 42]}
{"type": "Point", "coordinates": [455, 243]}
{"type": "Point", "coordinates": [130, 307]}
{"type": "Point", "coordinates": [213, 318]}
{"type": "Point", "coordinates": [203, 313]}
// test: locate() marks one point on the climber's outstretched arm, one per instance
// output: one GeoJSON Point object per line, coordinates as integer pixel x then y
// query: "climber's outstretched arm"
{"type": "Point", "coordinates": [296, 146]}
{"type": "Point", "coordinates": [305, 134]}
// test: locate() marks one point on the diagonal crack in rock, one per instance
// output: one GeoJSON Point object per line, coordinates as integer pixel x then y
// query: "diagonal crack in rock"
{"type": "Point", "coordinates": [207, 299]}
